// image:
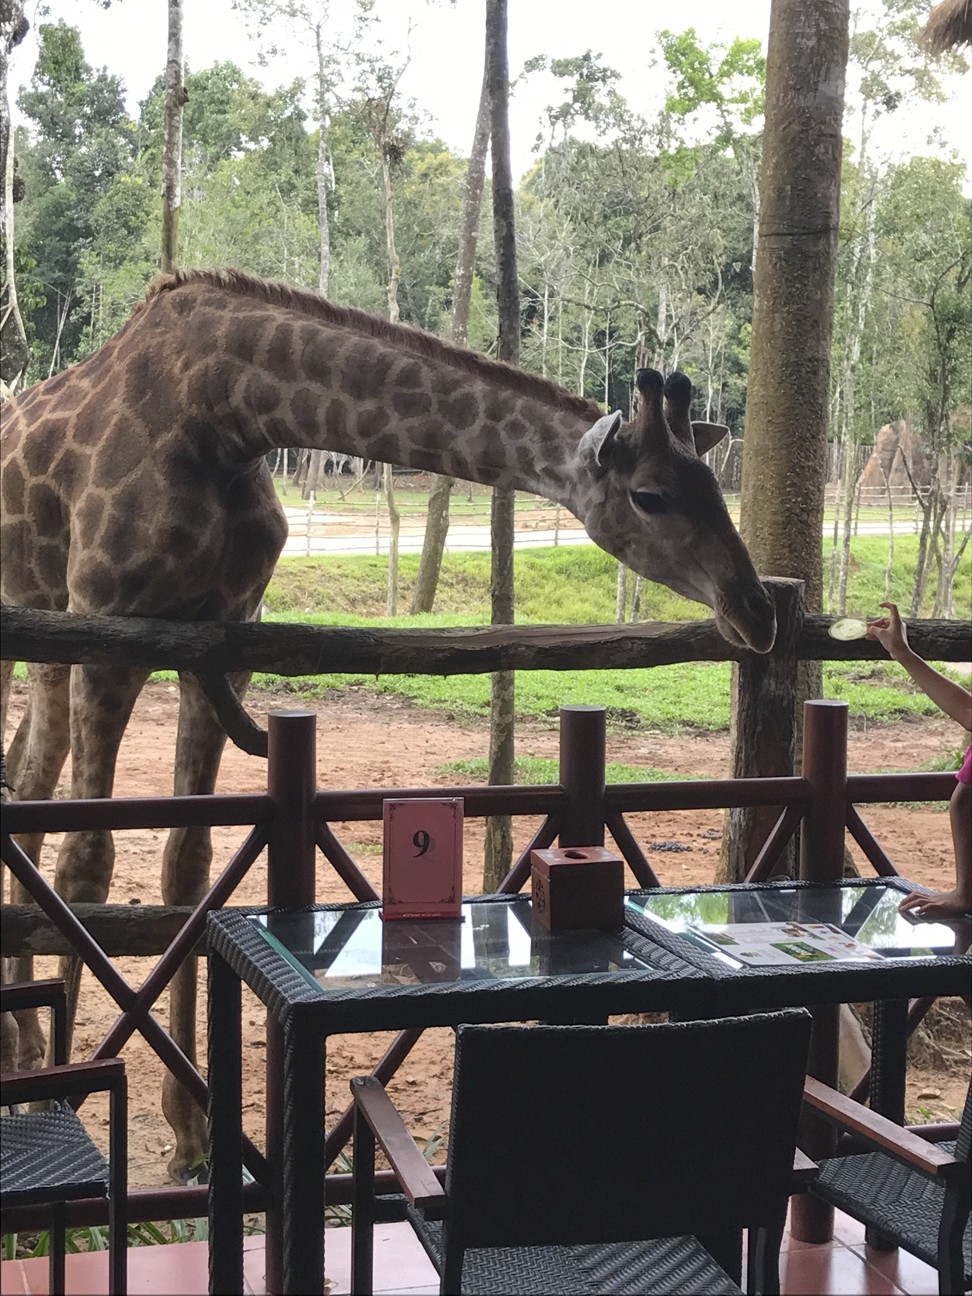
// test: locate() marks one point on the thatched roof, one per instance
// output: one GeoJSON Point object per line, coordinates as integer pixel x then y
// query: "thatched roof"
{"type": "Point", "coordinates": [949, 25]}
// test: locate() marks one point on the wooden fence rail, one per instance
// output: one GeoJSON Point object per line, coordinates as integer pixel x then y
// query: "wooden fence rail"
{"type": "Point", "coordinates": [289, 650]}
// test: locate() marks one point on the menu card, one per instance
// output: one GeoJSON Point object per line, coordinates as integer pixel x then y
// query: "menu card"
{"type": "Point", "coordinates": [422, 873]}
{"type": "Point", "coordinates": [765, 944]}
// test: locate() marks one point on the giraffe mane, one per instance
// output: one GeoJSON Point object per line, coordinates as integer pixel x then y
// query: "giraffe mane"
{"type": "Point", "coordinates": [403, 335]}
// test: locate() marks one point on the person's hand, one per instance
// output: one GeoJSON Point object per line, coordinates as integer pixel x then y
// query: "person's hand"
{"type": "Point", "coordinates": [889, 631]}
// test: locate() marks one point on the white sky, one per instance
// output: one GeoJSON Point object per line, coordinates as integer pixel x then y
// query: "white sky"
{"type": "Point", "coordinates": [129, 38]}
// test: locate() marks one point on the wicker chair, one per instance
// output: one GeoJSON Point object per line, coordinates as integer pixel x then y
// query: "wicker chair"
{"type": "Point", "coordinates": [48, 1157]}
{"type": "Point", "coordinates": [913, 1193]}
{"type": "Point", "coordinates": [594, 1159]}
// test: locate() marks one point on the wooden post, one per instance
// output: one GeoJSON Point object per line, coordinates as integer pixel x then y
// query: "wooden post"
{"type": "Point", "coordinates": [582, 774]}
{"type": "Point", "coordinates": [822, 860]}
{"type": "Point", "coordinates": [764, 734]}
{"type": "Point", "coordinates": [825, 768]}
{"type": "Point", "coordinates": [291, 782]}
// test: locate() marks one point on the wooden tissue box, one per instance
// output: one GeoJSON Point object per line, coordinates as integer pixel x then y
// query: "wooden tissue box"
{"type": "Point", "coordinates": [578, 886]}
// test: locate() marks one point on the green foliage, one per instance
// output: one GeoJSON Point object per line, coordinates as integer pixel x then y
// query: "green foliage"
{"type": "Point", "coordinates": [81, 141]}
{"type": "Point", "coordinates": [729, 80]}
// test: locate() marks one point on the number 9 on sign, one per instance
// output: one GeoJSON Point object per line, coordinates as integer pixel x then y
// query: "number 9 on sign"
{"type": "Point", "coordinates": [422, 858]}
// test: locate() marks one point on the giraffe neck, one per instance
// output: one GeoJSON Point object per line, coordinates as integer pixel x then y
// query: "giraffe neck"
{"type": "Point", "coordinates": [271, 375]}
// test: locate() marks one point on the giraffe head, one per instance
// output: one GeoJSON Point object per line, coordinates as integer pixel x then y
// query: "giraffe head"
{"type": "Point", "coordinates": [656, 506]}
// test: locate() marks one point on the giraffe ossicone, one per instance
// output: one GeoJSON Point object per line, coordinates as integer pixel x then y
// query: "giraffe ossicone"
{"type": "Point", "coordinates": [135, 483]}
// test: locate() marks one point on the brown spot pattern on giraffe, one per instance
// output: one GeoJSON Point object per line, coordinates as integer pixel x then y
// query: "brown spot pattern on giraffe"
{"type": "Point", "coordinates": [281, 360]}
{"type": "Point", "coordinates": [411, 404]}
{"type": "Point", "coordinates": [44, 505]}
{"type": "Point", "coordinates": [14, 489]}
{"type": "Point", "coordinates": [461, 411]}
{"type": "Point", "coordinates": [51, 566]}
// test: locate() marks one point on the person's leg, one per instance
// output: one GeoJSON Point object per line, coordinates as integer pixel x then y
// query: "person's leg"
{"type": "Point", "coordinates": [959, 899]}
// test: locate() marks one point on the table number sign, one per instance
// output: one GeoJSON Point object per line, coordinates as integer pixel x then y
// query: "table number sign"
{"type": "Point", "coordinates": [422, 876]}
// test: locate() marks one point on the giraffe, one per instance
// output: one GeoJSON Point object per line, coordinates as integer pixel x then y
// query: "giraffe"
{"type": "Point", "coordinates": [135, 483]}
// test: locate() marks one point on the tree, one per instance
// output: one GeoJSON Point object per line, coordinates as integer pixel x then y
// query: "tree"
{"type": "Point", "coordinates": [82, 139]}
{"type": "Point", "coordinates": [499, 831]}
{"type": "Point", "coordinates": [437, 520]}
{"type": "Point", "coordinates": [892, 73]}
{"type": "Point", "coordinates": [924, 227]}
{"type": "Point", "coordinates": [13, 336]}
{"type": "Point", "coordinates": [175, 97]}
{"type": "Point", "coordinates": [307, 18]}
{"type": "Point", "coordinates": [784, 451]}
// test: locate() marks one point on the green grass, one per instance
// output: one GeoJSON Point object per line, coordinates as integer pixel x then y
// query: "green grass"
{"type": "Point", "coordinates": [541, 769]}
{"type": "Point", "coordinates": [570, 585]}
{"type": "Point", "coordinates": [574, 585]}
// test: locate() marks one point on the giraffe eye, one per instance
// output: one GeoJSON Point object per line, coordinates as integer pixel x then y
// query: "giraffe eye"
{"type": "Point", "coordinates": [649, 502]}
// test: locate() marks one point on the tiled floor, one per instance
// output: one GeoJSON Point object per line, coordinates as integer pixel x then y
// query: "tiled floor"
{"type": "Point", "coordinates": [844, 1267]}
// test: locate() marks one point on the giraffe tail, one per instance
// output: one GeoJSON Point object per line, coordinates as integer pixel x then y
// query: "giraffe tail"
{"type": "Point", "coordinates": [239, 727]}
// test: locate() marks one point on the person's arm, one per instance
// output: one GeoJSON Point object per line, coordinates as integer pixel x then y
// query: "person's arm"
{"type": "Point", "coordinates": [952, 698]}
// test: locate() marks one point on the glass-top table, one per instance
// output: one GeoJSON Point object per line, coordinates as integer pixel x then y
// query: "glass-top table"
{"type": "Point", "coordinates": [774, 944]}
{"type": "Point", "coordinates": [354, 949]}
{"type": "Point", "coordinates": [790, 926]}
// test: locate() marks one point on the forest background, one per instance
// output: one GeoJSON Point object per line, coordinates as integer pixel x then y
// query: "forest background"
{"type": "Point", "coordinates": [635, 232]}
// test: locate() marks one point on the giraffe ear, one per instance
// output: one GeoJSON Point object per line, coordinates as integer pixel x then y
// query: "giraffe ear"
{"type": "Point", "coordinates": [599, 440]}
{"type": "Point", "coordinates": [707, 435]}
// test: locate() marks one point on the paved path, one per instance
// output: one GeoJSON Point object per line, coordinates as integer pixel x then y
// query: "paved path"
{"type": "Point", "coordinates": [327, 537]}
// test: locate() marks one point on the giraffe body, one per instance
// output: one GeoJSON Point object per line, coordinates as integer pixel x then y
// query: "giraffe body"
{"type": "Point", "coordinates": [135, 483]}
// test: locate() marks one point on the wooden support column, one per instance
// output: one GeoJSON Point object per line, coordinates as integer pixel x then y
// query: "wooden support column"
{"type": "Point", "coordinates": [291, 783]}
{"type": "Point", "coordinates": [825, 768]}
{"type": "Point", "coordinates": [582, 774]}
{"type": "Point", "coordinates": [822, 860]}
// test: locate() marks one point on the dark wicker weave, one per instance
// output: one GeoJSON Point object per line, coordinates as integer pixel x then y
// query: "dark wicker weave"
{"type": "Point", "coordinates": [47, 1157]}
{"type": "Point", "coordinates": [927, 1216]}
{"type": "Point", "coordinates": [675, 1265]}
{"type": "Point", "coordinates": [637, 1156]}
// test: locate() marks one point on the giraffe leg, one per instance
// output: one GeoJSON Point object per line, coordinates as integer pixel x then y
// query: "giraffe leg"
{"type": "Point", "coordinates": [185, 879]}
{"type": "Point", "coordinates": [102, 698]}
{"type": "Point", "coordinates": [6, 679]}
{"type": "Point", "coordinates": [34, 764]}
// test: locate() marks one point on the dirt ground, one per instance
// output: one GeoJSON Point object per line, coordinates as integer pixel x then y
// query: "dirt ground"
{"type": "Point", "coordinates": [364, 742]}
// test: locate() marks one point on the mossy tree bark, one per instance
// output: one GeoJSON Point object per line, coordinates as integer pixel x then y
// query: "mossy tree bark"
{"type": "Point", "coordinates": [499, 828]}
{"type": "Point", "coordinates": [785, 447]}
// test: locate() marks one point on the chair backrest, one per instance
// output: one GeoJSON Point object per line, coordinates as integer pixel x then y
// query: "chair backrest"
{"type": "Point", "coordinates": [963, 1144]}
{"type": "Point", "coordinates": [580, 1134]}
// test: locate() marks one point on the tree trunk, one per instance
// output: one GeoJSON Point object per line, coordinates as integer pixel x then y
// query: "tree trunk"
{"type": "Point", "coordinates": [14, 350]}
{"type": "Point", "coordinates": [785, 447]}
{"type": "Point", "coordinates": [621, 597]}
{"type": "Point", "coordinates": [499, 829]}
{"type": "Point", "coordinates": [437, 523]}
{"type": "Point", "coordinates": [859, 304]}
{"type": "Point", "coordinates": [395, 522]}
{"type": "Point", "coordinates": [315, 458]}
{"type": "Point", "coordinates": [323, 126]}
{"type": "Point", "coordinates": [175, 96]}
